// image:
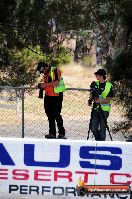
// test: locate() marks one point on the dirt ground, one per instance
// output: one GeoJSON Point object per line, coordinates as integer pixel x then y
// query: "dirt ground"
{"type": "Point", "coordinates": [78, 76]}
{"type": "Point", "coordinates": [76, 113]}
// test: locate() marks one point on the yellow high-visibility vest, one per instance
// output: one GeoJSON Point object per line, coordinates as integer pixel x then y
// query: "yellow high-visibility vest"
{"type": "Point", "coordinates": [61, 87]}
{"type": "Point", "coordinates": [105, 107]}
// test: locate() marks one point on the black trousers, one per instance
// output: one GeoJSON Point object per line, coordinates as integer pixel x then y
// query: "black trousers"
{"type": "Point", "coordinates": [53, 106]}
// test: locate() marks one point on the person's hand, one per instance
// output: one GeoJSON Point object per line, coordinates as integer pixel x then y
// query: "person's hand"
{"type": "Point", "coordinates": [97, 101]}
{"type": "Point", "coordinates": [89, 102]}
{"type": "Point", "coordinates": [41, 85]}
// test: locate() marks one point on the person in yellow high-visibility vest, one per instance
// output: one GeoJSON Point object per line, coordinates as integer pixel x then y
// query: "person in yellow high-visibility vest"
{"type": "Point", "coordinates": [54, 87]}
{"type": "Point", "coordinates": [101, 96]}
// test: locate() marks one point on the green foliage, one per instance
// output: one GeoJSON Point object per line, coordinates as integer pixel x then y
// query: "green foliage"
{"type": "Point", "coordinates": [124, 95]}
{"type": "Point", "coordinates": [27, 26]}
{"type": "Point", "coordinates": [122, 66]}
{"type": "Point", "coordinates": [121, 73]}
{"type": "Point", "coordinates": [29, 56]}
{"type": "Point", "coordinates": [22, 69]}
{"type": "Point", "coordinates": [62, 56]}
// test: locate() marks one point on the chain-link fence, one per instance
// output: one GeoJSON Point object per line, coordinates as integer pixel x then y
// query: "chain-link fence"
{"type": "Point", "coordinates": [22, 114]}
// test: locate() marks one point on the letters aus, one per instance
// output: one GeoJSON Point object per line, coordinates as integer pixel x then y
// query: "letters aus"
{"type": "Point", "coordinates": [85, 157]}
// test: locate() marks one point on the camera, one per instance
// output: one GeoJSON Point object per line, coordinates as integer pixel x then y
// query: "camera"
{"type": "Point", "coordinates": [129, 138]}
{"type": "Point", "coordinates": [40, 91]}
{"type": "Point", "coordinates": [41, 66]}
{"type": "Point", "coordinates": [94, 93]}
{"type": "Point", "coordinates": [94, 90]}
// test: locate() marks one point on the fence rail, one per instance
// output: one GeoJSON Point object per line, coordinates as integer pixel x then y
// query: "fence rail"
{"type": "Point", "coordinates": [31, 121]}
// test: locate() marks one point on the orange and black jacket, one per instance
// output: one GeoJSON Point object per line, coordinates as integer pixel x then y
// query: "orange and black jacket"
{"type": "Point", "coordinates": [49, 90]}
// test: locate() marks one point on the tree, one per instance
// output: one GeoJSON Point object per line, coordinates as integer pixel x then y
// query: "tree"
{"type": "Point", "coordinates": [45, 23]}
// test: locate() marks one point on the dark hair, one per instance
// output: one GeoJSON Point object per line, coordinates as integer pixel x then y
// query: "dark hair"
{"type": "Point", "coordinates": [104, 77]}
{"type": "Point", "coordinates": [41, 66]}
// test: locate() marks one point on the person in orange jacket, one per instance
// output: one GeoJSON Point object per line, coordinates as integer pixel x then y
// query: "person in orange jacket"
{"type": "Point", "coordinates": [53, 100]}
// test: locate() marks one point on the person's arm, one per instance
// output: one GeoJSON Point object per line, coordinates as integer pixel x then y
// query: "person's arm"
{"type": "Point", "coordinates": [108, 98]}
{"type": "Point", "coordinates": [103, 101]}
{"type": "Point", "coordinates": [53, 83]}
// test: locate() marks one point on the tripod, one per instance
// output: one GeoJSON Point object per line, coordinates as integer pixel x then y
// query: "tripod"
{"type": "Point", "coordinates": [90, 123]}
{"type": "Point", "coordinates": [105, 121]}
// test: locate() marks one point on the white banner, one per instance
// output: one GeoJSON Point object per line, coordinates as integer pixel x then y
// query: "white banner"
{"type": "Point", "coordinates": [36, 167]}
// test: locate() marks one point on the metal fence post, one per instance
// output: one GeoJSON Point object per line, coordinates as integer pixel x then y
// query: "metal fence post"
{"type": "Point", "coordinates": [23, 112]}
{"type": "Point", "coordinates": [17, 102]}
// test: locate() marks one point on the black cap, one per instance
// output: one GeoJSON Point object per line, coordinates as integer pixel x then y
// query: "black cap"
{"type": "Point", "coordinates": [100, 72]}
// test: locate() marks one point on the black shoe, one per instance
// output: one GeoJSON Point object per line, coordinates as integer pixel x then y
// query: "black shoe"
{"type": "Point", "coordinates": [49, 136]}
{"type": "Point", "coordinates": [129, 138]}
{"type": "Point", "coordinates": [61, 137]}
